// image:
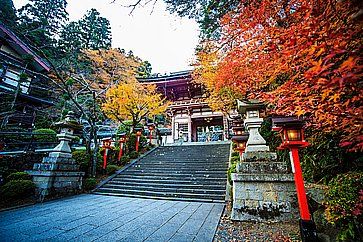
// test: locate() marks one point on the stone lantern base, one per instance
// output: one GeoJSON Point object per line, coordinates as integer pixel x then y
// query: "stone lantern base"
{"type": "Point", "coordinates": [263, 189]}
{"type": "Point", "coordinates": [58, 175]}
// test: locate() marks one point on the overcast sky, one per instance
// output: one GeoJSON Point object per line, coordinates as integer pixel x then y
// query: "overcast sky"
{"type": "Point", "coordinates": [165, 40]}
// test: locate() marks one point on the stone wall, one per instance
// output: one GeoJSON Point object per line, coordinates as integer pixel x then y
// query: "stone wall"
{"type": "Point", "coordinates": [263, 189]}
{"type": "Point", "coordinates": [264, 197]}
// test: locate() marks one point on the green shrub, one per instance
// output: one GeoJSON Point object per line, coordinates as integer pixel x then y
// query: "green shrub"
{"type": "Point", "coordinates": [235, 154]}
{"type": "Point", "coordinates": [235, 159]}
{"type": "Point", "coordinates": [131, 143]}
{"type": "Point", "coordinates": [45, 135]}
{"type": "Point", "coordinates": [111, 169]}
{"type": "Point", "coordinates": [17, 189]}
{"type": "Point", "coordinates": [124, 159]}
{"type": "Point", "coordinates": [231, 169]}
{"type": "Point", "coordinates": [89, 184]}
{"type": "Point", "coordinates": [18, 176]}
{"type": "Point", "coordinates": [133, 154]}
{"type": "Point", "coordinates": [344, 205]}
{"type": "Point", "coordinates": [83, 159]}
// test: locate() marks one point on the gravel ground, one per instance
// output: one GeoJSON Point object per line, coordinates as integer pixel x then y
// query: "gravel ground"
{"type": "Point", "coordinates": [249, 231]}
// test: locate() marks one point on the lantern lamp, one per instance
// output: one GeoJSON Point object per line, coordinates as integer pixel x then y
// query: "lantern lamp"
{"type": "Point", "coordinates": [121, 141]}
{"type": "Point", "coordinates": [292, 135]}
{"type": "Point", "coordinates": [240, 141]}
{"type": "Point", "coordinates": [151, 127]}
{"type": "Point", "coordinates": [138, 134]}
{"type": "Point", "coordinates": [106, 144]}
{"type": "Point", "coordinates": [291, 132]}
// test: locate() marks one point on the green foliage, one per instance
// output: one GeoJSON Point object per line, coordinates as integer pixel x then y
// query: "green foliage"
{"type": "Point", "coordinates": [89, 184]}
{"type": "Point", "coordinates": [344, 205]}
{"type": "Point", "coordinates": [124, 159]}
{"type": "Point", "coordinates": [95, 31]}
{"type": "Point", "coordinates": [231, 169]}
{"type": "Point", "coordinates": [17, 189]}
{"type": "Point", "coordinates": [144, 70]}
{"type": "Point", "coordinates": [40, 22]}
{"type": "Point", "coordinates": [124, 127]}
{"type": "Point", "coordinates": [131, 143]}
{"type": "Point", "coordinates": [111, 169]}
{"type": "Point", "coordinates": [235, 154]}
{"type": "Point", "coordinates": [18, 176]}
{"type": "Point", "coordinates": [324, 158]}
{"type": "Point", "coordinates": [84, 159]}
{"type": "Point", "coordinates": [45, 135]}
{"type": "Point", "coordinates": [235, 159]}
{"type": "Point", "coordinates": [8, 13]}
{"type": "Point", "coordinates": [207, 13]}
{"type": "Point", "coordinates": [134, 154]}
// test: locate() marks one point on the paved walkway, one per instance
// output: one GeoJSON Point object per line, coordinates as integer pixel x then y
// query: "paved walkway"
{"type": "Point", "coordinates": [106, 218]}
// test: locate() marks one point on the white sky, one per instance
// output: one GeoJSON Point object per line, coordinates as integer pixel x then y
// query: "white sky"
{"type": "Point", "coordinates": [165, 40]}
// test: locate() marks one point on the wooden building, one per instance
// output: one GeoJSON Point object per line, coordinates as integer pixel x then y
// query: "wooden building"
{"type": "Point", "coordinates": [191, 118]}
{"type": "Point", "coordinates": [24, 87]}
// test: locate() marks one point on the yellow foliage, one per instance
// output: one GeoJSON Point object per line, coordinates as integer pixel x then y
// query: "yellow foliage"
{"type": "Point", "coordinates": [133, 101]}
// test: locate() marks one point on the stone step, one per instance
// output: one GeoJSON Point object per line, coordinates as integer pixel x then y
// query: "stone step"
{"type": "Point", "coordinates": [174, 184]}
{"type": "Point", "coordinates": [162, 194]}
{"type": "Point", "coordinates": [175, 175]}
{"type": "Point", "coordinates": [180, 189]}
{"type": "Point", "coordinates": [161, 198]}
{"type": "Point", "coordinates": [189, 173]}
{"type": "Point", "coordinates": [171, 181]}
{"type": "Point", "coordinates": [176, 171]}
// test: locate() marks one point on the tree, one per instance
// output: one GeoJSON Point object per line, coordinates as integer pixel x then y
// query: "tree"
{"type": "Point", "coordinates": [144, 69]}
{"type": "Point", "coordinates": [92, 32]}
{"type": "Point", "coordinates": [133, 101]}
{"type": "Point", "coordinates": [95, 31]}
{"type": "Point", "coordinates": [302, 57]}
{"type": "Point", "coordinates": [207, 13]}
{"type": "Point", "coordinates": [84, 90]}
{"type": "Point", "coordinates": [40, 22]}
{"type": "Point", "coordinates": [8, 13]}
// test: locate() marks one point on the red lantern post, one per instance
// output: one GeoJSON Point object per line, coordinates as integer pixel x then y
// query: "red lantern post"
{"type": "Point", "coordinates": [239, 137]}
{"type": "Point", "coordinates": [121, 141]}
{"type": "Point", "coordinates": [138, 134]}
{"type": "Point", "coordinates": [240, 141]}
{"type": "Point", "coordinates": [151, 127]}
{"type": "Point", "coordinates": [292, 135]}
{"type": "Point", "coordinates": [106, 144]}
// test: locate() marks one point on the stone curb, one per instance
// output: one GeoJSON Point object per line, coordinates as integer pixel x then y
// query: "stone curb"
{"type": "Point", "coordinates": [123, 169]}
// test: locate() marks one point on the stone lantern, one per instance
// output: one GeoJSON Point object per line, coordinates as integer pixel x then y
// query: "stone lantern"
{"type": "Point", "coordinates": [58, 172]}
{"type": "Point", "coordinates": [252, 110]}
{"type": "Point", "coordinates": [263, 188]}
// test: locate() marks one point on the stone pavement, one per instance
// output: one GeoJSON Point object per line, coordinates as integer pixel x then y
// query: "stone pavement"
{"type": "Point", "coordinates": [106, 218]}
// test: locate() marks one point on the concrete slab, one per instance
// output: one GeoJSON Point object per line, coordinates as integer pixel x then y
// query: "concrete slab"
{"type": "Point", "coordinates": [106, 218]}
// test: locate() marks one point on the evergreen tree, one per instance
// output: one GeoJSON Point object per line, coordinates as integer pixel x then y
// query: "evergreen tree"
{"type": "Point", "coordinates": [41, 22]}
{"type": "Point", "coordinates": [144, 69]}
{"type": "Point", "coordinates": [8, 13]}
{"type": "Point", "coordinates": [95, 30]}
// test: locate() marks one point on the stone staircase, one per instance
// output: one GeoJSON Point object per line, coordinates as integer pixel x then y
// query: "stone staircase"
{"type": "Point", "coordinates": [187, 172]}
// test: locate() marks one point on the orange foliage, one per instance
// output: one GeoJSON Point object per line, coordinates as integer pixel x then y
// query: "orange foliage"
{"type": "Point", "coordinates": [302, 57]}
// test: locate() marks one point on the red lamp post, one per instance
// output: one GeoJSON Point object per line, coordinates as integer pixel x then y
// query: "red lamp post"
{"type": "Point", "coordinates": [106, 144]}
{"type": "Point", "coordinates": [292, 135]}
{"type": "Point", "coordinates": [241, 141]}
{"type": "Point", "coordinates": [151, 127]}
{"type": "Point", "coordinates": [239, 137]}
{"type": "Point", "coordinates": [138, 134]}
{"type": "Point", "coordinates": [121, 141]}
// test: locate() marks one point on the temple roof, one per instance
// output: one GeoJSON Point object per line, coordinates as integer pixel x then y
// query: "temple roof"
{"type": "Point", "coordinates": [19, 46]}
{"type": "Point", "coordinates": [171, 77]}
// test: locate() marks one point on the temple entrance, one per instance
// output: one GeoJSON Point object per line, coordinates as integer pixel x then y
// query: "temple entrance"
{"type": "Point", "coordinates": [207, 129]}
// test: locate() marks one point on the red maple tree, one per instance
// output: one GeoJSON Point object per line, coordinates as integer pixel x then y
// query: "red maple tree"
{"type": "Point", "coordinates": [302, 57]}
